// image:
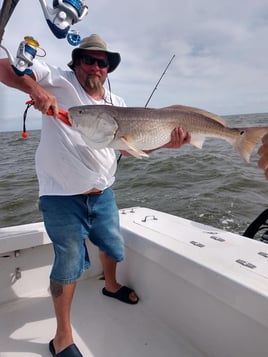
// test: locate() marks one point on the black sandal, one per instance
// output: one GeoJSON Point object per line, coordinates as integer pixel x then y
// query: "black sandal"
{"type": "Point", "coordinates": [122, 295]}
{"type": "Point", "coordinates": [69, 351]}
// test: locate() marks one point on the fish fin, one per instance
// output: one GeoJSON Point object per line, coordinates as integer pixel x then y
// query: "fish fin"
{"type": "Point", "coordinates": [248, 139]}
{"type": "Point", "coordinates": [197, 140]}
{"type": "Point", "coordinates": [133, 150]}
{"type": "Point", "coordinates": [197, 111]}
{"type": "Point", "coordinates": [135, 154]}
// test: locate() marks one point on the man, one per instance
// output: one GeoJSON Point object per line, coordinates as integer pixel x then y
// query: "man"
{"type": "Point", "coordinates": [74, 180]}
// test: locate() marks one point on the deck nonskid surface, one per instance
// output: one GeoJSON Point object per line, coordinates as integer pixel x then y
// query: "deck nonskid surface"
{"type": "Point", "coordinates": [102, 327]}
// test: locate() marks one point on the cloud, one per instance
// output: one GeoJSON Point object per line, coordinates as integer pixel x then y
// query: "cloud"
{"type": "Point", "coordinates": [220, 49]}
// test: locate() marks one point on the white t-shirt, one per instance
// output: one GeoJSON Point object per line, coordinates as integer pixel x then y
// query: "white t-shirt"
{"type": "Point", "coordinates": [65, 165]}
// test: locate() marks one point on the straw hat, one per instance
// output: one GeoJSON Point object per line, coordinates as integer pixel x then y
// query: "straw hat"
{"type": "Point", "coordinates": [96, 43]}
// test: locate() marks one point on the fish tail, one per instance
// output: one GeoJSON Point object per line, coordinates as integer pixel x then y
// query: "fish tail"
{"type": "Point", "coordinates": [247, 140]}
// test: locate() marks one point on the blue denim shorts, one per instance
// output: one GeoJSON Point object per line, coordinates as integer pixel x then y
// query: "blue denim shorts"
{"type": "Point", "coordinates": [70, 220]}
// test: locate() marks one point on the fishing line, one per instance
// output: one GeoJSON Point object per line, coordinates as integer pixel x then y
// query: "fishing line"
{"type": "Point", "coordinates": [152, 93]}
{"type": "Point", "coordinates": [110, 100]}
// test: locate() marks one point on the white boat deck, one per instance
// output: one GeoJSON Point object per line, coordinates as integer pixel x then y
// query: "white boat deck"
{"type": "Point", "coordinates": [203, 293]}
{"type": "Point", "coordinates": [102, 327]}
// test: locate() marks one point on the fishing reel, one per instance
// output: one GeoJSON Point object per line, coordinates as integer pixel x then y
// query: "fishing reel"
{"type": "Point", "coordinates": [25, 54]}
{"type": "Point", "coordinates": [64, 14]}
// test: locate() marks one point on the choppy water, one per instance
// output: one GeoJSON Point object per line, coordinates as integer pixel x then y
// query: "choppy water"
{"type": "Point", "coordinates": [212, 186]}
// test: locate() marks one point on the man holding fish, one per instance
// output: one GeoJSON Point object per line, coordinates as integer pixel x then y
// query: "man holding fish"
{"type": "Point", "coordinates": [75, 179]}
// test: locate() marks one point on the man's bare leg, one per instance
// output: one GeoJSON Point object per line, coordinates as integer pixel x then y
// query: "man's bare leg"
{"type": "Point", "coordinates": [62, 296]}
{"type": "Point", "coordinates": [109, 268]}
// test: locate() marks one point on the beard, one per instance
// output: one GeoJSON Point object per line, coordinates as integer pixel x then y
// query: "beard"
{"type": "Point", "coordinates": [93, 83]}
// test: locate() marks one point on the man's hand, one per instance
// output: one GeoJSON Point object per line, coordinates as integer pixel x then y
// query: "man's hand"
{"type": "Point", "coordinates": [178, 138]}
{"type": "Point", "coordinates": [263, 152]}
{"type": "Point", "coordinates": [43, 100]}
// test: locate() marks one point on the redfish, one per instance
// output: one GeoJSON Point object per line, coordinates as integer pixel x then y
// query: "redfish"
{"type": "Point", "coordinates": [137, 129]}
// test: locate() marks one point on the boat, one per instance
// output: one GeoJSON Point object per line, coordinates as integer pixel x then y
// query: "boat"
{"type": "Point", "coordinates": [203, 292]}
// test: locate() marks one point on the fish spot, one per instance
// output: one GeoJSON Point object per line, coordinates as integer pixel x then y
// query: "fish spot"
{"type": "Point", "coordinates": [242, 132]}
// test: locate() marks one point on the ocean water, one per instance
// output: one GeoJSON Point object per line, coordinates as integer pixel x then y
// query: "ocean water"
{"type": "Point", "coordinates": [212, 186]}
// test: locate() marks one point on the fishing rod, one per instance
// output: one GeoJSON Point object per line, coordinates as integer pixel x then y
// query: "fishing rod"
{"type": "Point", "coordinates": [27, 49]}
{"type": "Point", "coordinates": [59, 19]}
{"type": "Point", "coordinates": [154, 89]}
{"type": "Point", "coordinates": [6, 11]}
{"type": "Point", "coordinates": [63, 15]}
{"type": "Point", "coordinates": [162, 75]}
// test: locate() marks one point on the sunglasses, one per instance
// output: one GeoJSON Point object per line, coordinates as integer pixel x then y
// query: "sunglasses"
{"type": "Point", "coordinates": [90, 60]}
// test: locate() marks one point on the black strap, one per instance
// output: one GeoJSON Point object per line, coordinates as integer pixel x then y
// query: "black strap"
{"type": "Point", "coordinates": [25, 117]}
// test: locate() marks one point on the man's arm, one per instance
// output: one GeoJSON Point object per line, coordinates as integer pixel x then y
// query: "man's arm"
{"type": "Point", "coordinates": [43, 100]}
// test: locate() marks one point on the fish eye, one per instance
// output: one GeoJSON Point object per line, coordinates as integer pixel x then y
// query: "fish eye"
{"type": "Point", "coordinates": [242, 132]}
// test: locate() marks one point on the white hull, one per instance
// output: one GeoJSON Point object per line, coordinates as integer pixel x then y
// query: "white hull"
{"type": "Point", "coordinates": [196, 298]}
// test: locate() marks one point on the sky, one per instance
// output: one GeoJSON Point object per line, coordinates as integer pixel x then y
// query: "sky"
{"type": "Point", "coordinates": [220, 48]}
